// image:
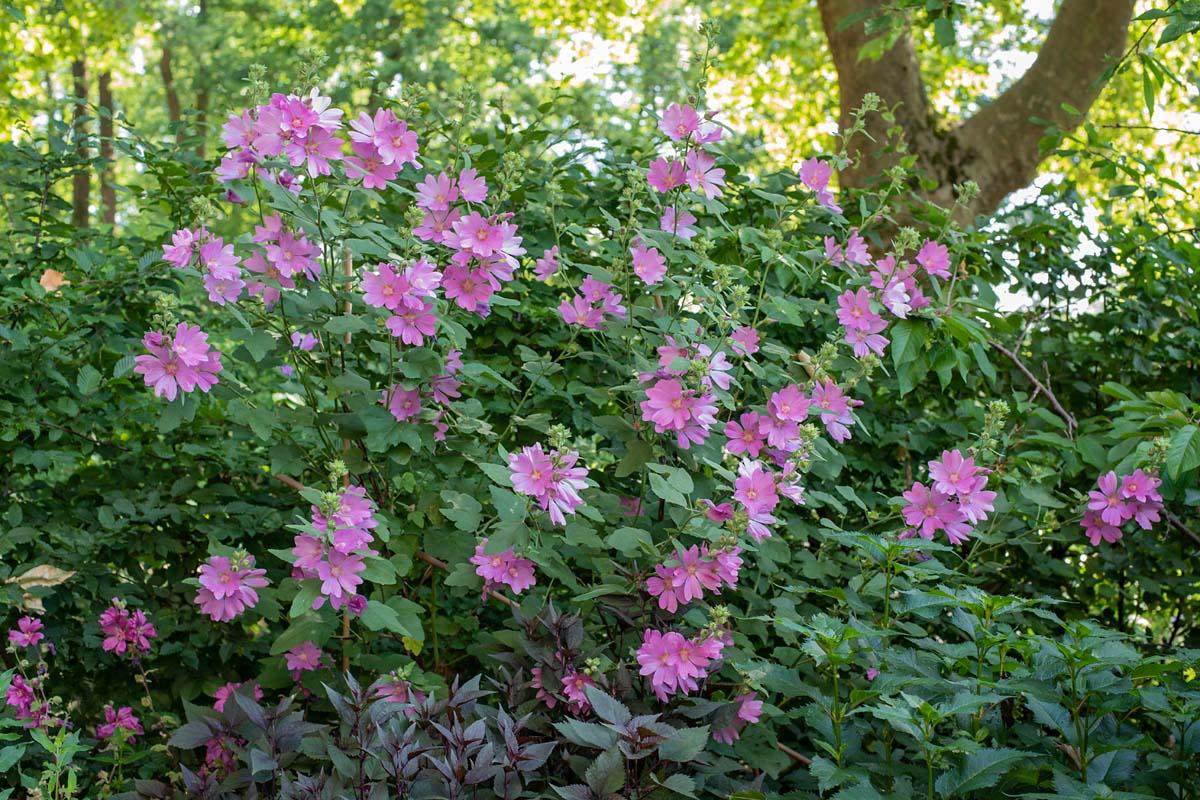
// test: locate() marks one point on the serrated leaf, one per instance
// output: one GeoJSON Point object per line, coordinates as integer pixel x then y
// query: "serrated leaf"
{"type": "Point", "coordinates": [979, 770]}
{"type": "Point", "coordinates": [606, 774]}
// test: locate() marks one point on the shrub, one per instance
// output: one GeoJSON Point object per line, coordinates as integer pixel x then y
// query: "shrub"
{"type": "Point", "coordinates": [651, 443]}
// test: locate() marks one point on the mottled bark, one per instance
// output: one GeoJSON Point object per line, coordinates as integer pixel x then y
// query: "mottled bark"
{"type": "Point", "coordinates": [108, 191]}
{"type": "Point", "coordinates": [998, 146]}
{"type": "Point", "coordinates": [81, 181]}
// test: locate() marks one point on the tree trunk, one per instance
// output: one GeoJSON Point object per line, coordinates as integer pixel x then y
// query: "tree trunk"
{"type": "Point", "coordinates": [108, 192]}
{"type": "Point", "coordinates": [998, 146]}
{"type": "Point", "coordinates": [81, 181]}
{"type": "Point", "coordinates": [174, 109]}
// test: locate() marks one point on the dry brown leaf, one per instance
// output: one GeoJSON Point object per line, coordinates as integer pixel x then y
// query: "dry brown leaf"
{"type": "Point", "coordinates": [41, 576]}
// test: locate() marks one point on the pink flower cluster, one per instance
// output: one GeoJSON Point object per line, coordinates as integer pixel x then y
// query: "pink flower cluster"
{"type": "Point", "coordinates": [228, 586]}
{"type": "Point", "coordinates": [126, 631]}
{"type": "Point", "coordinates": [300, 129]}
{"type": "Point", "coordinates": [957, 500]}
{"type": "Point", "coordinates": [335, 555]}
{"type": "Point", "coordinates": [691, 166]}
{"type": "Point", "coordinates": [749, 711]}
{"type": "Point", "coordinates": [592, 304]}
{"type": "Point", "coordinates": [27, 633]}
{"type": "Point", "coordinates": [861, 323]}
{"type": "Point", "coordinates": [547, 265]}
{"type": "Point", "coordinates": [486, 246]}
{"type": "Point", "coordinates": [119, 719]}
{"type": "Point", "coordinates": [405, 404]}
{"type": "Point", "coordinates": [815, 174]}
{"type": "Point", "coordinates": [553, 478]}
{"type": "Point", "coordinates": [502, 569]}
{"type": "Point", "coordinates": [22, 698]}
{"type": "Point", "coordinates": [687, 412]}
{"type": "Point", "coordinates": [183, 361]}
{"type": "Point", "coordinates": [758, 490]}
{"type": "Point", "coordinates": [1116, 500]}
{"type": "Point", "coordinates": [408, 293]}
{"type": "Point", "coordinates": [693, 571]}
{"type": "Point", "coordinates": [674, 663]}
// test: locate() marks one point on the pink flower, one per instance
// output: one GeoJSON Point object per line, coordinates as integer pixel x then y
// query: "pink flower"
{"type": "Point", "coordinates": [412, 325]}
{"type": "Point", "coordinates": [435, 225]}
{"type": "Point", "coordinates": [745, 340]}
{"type": "Point", "coordinates": [405, 404]}
{"type": "Point", "coordinates": [976, 502]}
{"type": "Point", "coordinates": [367, 163]}
{"type": "Point", "coordinates": [702, 176]}
{"type": "Point", "coordinates": [223, 694]}
{"type": "Point", "coordinates": [315, 151]}
{"type": "Point", "coordinates": [1095, 528]}
{"type": "Point", "coordinates": [349, 527]}
{"type": "Point", "coordinates": [167, 368]}
{"type": "Point", "coordinates": [1108, 500]}
{"type": "Point", "coordinates": [745, 435]}
{"type": "Point", "coordinates": [678, 223]}
{"type": "Point", "coordinates": [339, 574]}
{"type": "Point", "coordinates": [218, 259]}
{"type": "Point", "coordinates": [184, 243]}
{"type": "Point", "coordinates": [648, 263]}
{"type": "Point", "coordinates": [125, 630]}
{"type": "Point", "coordinates": [834, 408]}
{"type": "Point", "coordinates": [502, 568]}
{"type": "Point", "coordinates": [469, 289]}
{"type": "Point", "coordinates": [685, 412]}
{"type": "Point", "coordinates": [120, 719]}
{"type": "Point", "coordinates": [856, 249]}
{"type": "Point", "coordinates": [930, 510]}
{"type": "Point", "coordinates": [472, 187]}
{"type": "Point", "coordinates": [20, 696]}
{"type": "Point", "coordinates": [749, 711]}
{"type": "Point", "coordinates": [665, 175]}
{"type": "Point", "coordinates": [755, 487]}
{"type": "Point", "coordinates": [436, 193]}
{"type": "Point", "coordinates": [815, 174]}
{"type": "Point", "coordinates": [833, 252]}
{"type": "Point", "coordinates": [854, 311]}
{"type": "Point", "coordinates": [667, 585]}
{"type": "Point", "coordinates": [308, 550]}
{"type": "Point", "coordinates": [718, 513]}
{"type": "Point", "coordinates": [303, 341]}
{"type": "Point", "coordinates": [679, 121]}
{"type": "Point", "coordinates": [304, 657]}
{"type": "Point", "coordinates": [789, 403]}
{"type": "Point", "coordinates": [293, 255]}
{"type": "Point", "coordinates": [486, 236]}
{"type": "Point", "coordinates": [223, 290]}
{"type": "Point", "coordinates": [935, 258]}
{"type": "Point", "coordinates": [395, 142]}
{"type": "Point", "coordinates": [864, 342]}
{"type": "Point", "coordinates": [574, 686]}
{"type": "Point", "coordinates": [383, 288]}
{"type": "Point", "coordinates": [552, 478]}
{"type": "Point", "coordinates": [596, 301]}
{"type": "Point", "coordinates": [1141, 487]}
{"type": "Point", "coordinates": [547, 265]}
{"type": "Point", "coordinates": [227, 586]}
{"type": "Point", "coordinates": [27, 633]}
{"type": "Point", "coordinates": [954, 473]}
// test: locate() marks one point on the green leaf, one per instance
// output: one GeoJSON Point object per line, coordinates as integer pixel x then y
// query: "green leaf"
{"type": "Point", "coordinates": [463, 510]}
{"type": "Point", "coordinates": [631, 542]}
{"type": "Point", "coordinates": [380, 617]}
{"type": "Point", "coordinates": [607, 707]}
{"type": "Point", "coordinates": [979, 770]}
{"type": "Point", "coordinates": [679, 784]}
{"type": "Point", "coordinates": [1183, 453]}
{"type": "Point", "coordinates": [606, 774]}
{"type": "Point", "coordinates": [346, 323]}
{"type": "Point", "coordinates": [88, 380]}
{"type": "Point", "coordinates": [685, 745]}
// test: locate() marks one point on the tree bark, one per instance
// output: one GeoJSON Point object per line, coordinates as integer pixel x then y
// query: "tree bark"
{"type": "Point", "coordinates": [81, 181]}
{"type": "Point", "coordinates": [108, 191]}
{"type": "Point", "coordinates": [174, 109]}
{"type": "Point", "coordinates": [998, 146]}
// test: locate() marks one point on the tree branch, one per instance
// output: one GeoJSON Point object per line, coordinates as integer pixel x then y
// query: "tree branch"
{"type": "Point", "coordinates": [1038, 385]}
